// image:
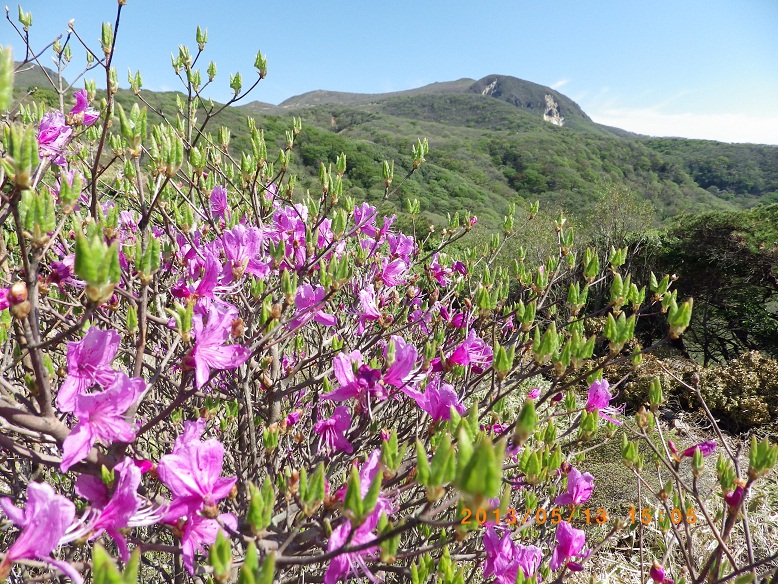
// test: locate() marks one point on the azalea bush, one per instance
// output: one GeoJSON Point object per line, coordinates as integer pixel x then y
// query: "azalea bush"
{"type": "Point", "coordinates": [210, 375]}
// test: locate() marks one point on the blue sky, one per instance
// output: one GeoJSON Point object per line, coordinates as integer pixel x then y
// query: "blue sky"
{"type": "Point", "coordinates": [692, 68]}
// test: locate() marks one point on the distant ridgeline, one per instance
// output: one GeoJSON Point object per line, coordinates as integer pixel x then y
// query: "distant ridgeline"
{"type": "Point", "coordinates": [494, 141]}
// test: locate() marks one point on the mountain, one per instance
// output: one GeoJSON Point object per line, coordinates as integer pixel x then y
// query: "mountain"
{"type": "Point", "coordinates": [493, 142]}
{"type": "Point", "coordinates": [501, 139]}
{"type": "Point", "coordinates": [517, 92]}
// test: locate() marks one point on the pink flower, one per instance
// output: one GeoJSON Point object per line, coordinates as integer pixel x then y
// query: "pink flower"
{"type": "Point", "coordinates": [309, 304]}
{"type": "Point", "coordinates": [438, 272]}
{"type": "Point", "coordinates": [243, 248]}
{"type": "Point", "coordinates": [209, 350]}
{"type": "Point", "coordinates": [504, 557]}
{"type": "Point", "coordinates": [570, 543]}
{"type": "Point", "coordinates": [81, 112]}
{"type": "Point", "coordinates": [101, 419]}
{"type": "Point", "coordinates": [599, 399]}
{"type": "Point", "coordinates": [734, 498]}
{"type": "Point", "coordinates": [706, 448]}
{"type": "Point", "coordinates": [473, 351]}
{"type": "Point", "coordinates": [368, 305]}
{"type": "Point", "coordinates": [400, 245]}
{"type": "Point", "coordinates": [44, 522]}
{"type": "Point", "coordinates": [392, 273]}
{"type": "Point", "coordinates": [218, 202]}
{"type": "Point", "coordinates": [361, 384]}
{"type": "Point", "coordinates": [579, 488]}
{"type": "Point", "coordinates": [401, 371]}
{"type": "Point", "coordinates": [53, 136]}
{"type": "Point", "coordinates": [367, 474]}
{"type": "Point", "coordinates": [437, 400]}
{"type": "Point", "coordinates": [192, 472]}
{"type": "Point", "coordinates": [89, 362]}
{"type": "Point", "coordinates": [125, 508]}
{"type": "Point", "coordinates": [332, 431]}
{"type": "Point", "coordinates": [351, 564]}
{"type": "Point", "coordinates": [199, 533]}
{"type": "Point", "coordinates": [534, 393]}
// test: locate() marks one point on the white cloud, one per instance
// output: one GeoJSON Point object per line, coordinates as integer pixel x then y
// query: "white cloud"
{"type": "Point", "coordinates": [560, 84]}
{"type": "Point", "coordinates": [734, 127]}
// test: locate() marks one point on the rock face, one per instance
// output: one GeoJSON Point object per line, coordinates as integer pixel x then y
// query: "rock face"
{"type": "Point", "coordinates": [489, 88]}
{"type": "Point", "coordinates": [552, 114]}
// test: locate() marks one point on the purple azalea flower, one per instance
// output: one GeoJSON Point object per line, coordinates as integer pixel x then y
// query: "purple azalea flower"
{"type": "Point", "coordinates": [401, 371]}
{"type": "Point", "coordinates": [209, 351]}
{"type": "Point", "coordinates": [599, 399]}
{"type": "Point", "coordinates": [400, 245]}
{"type": "Point", "coordinates": [81, 111]}
{"type": "Point", "coordinates": [332, 431]}
{"type": "Point", "coordinates": [579, 488]}
{"type": "Point", "coordinates": [504, 557]}
{"type": "Point", "coordinates": [293, 418]}
{"type": "Point", "coordinates": [367, 474]}
{"type": "Point", "coordinates": [307, 301]}
{"type": "Point", "coordinates": [364, 219]}
{"type": "Point", "coordinates": [360, 385]}
{"type": "Point", "coordinates": [199, 533]}
{"type": "Point", "coordinates": [534, 393]}
{"type": "Point", "coordinates": [473, 351]}
{"type": "Point", "coordinates": [89, 362]}
{"type": "Point", "coordinates": [369, 307]}
{"type": "Point", "coordinates": [125, 508]}
{"type": "Point", "coordinates": [706, 448]}
{"type": "Point", "coordinates": [392, 273]}
{"type": "Point", "coordinates": [570, 543]}
{"type": "Point", "coordinates": [45, 523]}
{"type": "Point", "coordinates": [437, 400]}
{"type": "Point", "coordinates": [242, 247]}
{"type": "Point", "coordinates": [101, 419]}
{"type": "Point", "coordinates": [346, 565]}
{"type": "Point", "coordinates": [4, 303]}
{"type": "Point", "coordinates": [53, 136]}
{"type": "Point", "coordinates": [204, 287]}
{"type": "Point", "coordinates": [438, 272]}
{"type": "Point", "coordinates": [192, 472]}
{"type": "Point", "coordinates": [218, 201]}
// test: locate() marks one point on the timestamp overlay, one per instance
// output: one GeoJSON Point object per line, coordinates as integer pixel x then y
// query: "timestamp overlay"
{"type": "Point", "coordinates": [512, 517]}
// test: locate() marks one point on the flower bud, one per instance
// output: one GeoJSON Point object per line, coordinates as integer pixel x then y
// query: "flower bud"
{"type": "Point", "coordinates": [17, 293]}
{"type": "Point", "coordinates": [657, 572]}
{"type": "Point", "coordinates": [20, 310]}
